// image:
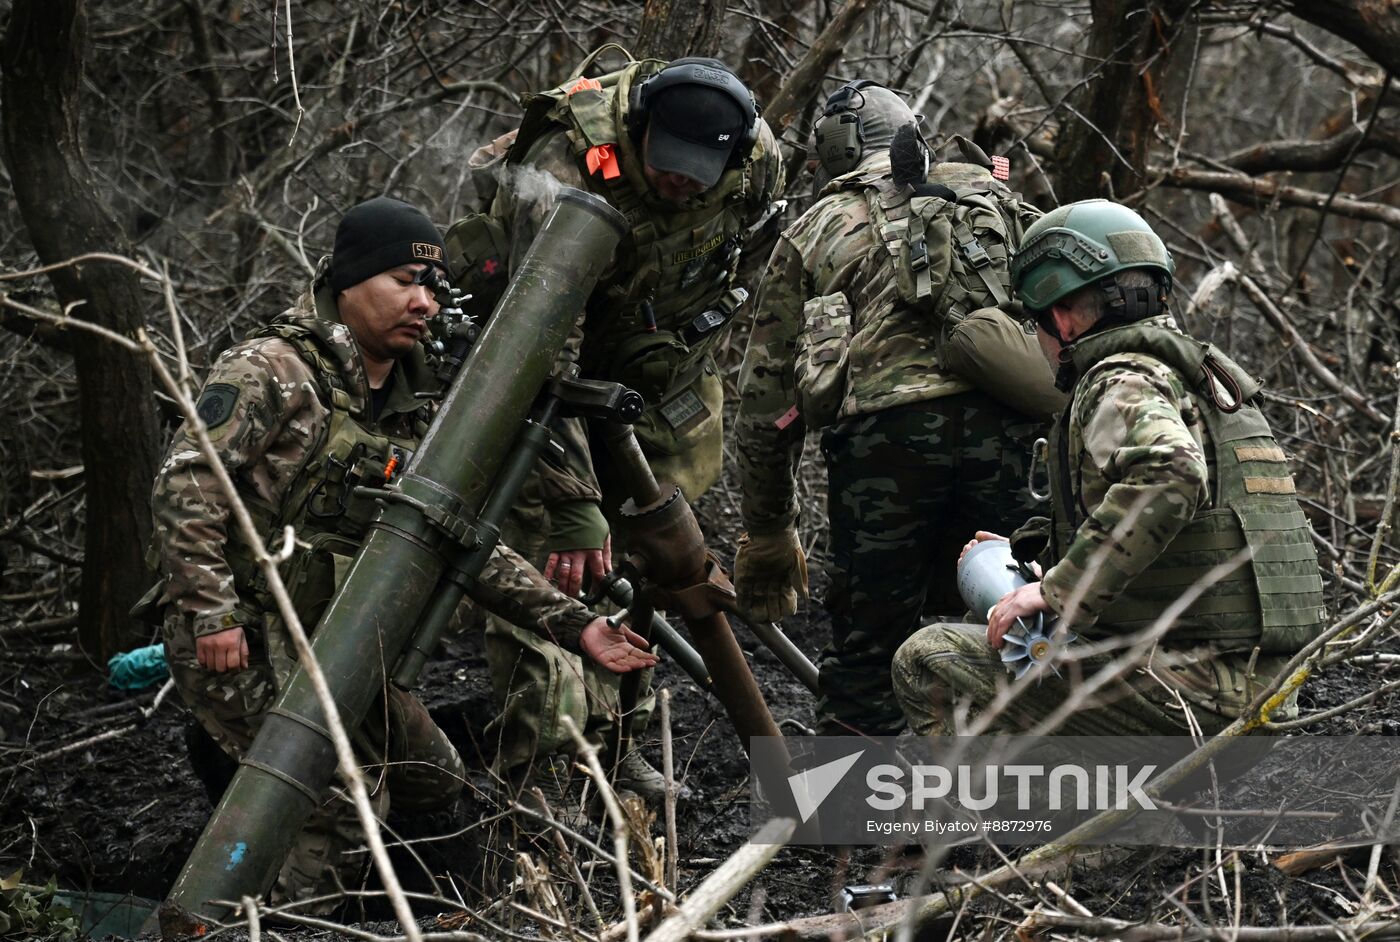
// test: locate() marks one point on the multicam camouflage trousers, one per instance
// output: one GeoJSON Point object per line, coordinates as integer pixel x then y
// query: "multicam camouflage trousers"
{"type": "Point", "coordinates": [945, 669]}
{"type": "Point", "coordinates": [908, 486]}
{"type": "Point", "coordinates": [537, 683]}
{"type": "Point", "coordinates": [403, 754]}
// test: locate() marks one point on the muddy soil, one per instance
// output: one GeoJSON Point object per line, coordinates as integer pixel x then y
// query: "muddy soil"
{"type": "Point", "coordinates": [120, 811]}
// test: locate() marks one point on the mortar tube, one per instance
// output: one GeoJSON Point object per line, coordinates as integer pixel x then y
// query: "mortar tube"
{"type": "Point", "coordinates": [529, 448]}
{"type": "Point", "coordinates": [285, 773]}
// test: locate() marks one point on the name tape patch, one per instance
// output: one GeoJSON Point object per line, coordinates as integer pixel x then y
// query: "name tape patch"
{"type": "Point", "coordinates": [683, 408]}
{"type": "Point", "coordinates": [704, 248]}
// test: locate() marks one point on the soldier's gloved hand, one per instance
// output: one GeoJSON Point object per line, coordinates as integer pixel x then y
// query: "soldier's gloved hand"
{"type": "Point", "coordinates": [222, 651]}
{"type": "Point", "coordinates": [618, 649]}
{"type": "Point", "coordinates": [770, 570]}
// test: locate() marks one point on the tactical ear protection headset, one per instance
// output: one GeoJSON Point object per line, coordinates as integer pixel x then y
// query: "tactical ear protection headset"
{"type": "Point", "coordinates": [1135, 304]}
{"type": "Point", "coordinates": [840, 133]}
{"type": "Point", "coordinates": [698, 70]}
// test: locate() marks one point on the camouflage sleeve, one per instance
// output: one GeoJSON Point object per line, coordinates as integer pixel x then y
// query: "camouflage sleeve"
{"type": "Point", "coordinates": [511, 588]}
{"type": "Point", "coordinates": [766, 173]}
{"type": "Point", "coordinates": [1142, 476]}
{"type": "Point", "coordinates": [769, 454]}
{"type": "Point", "coordinates": [260, 406]}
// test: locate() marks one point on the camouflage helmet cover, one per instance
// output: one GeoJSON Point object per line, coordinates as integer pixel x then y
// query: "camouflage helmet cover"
{"type": "Point", "coordinates": [858, 119]}
{"type": "Point", "coordinates": [1081, 244]}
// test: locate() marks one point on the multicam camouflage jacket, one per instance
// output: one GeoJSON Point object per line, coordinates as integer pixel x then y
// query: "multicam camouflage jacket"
{"type": "Point", "coordinates": [1136, 445]}
{"type": "Point", "coordinates": [830, 280]}
{"type": "Point", "coordinates": [1166, 477]}
{"type": "Point", "coordinates": [268, 412]}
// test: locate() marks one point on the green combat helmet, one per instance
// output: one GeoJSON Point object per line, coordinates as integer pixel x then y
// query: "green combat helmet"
{"type": "Point", "coordinates": [1085, 243]}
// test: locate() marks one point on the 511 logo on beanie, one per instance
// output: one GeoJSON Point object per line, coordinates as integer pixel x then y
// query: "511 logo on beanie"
{"type": "Point", "coordinates": [380, 234]}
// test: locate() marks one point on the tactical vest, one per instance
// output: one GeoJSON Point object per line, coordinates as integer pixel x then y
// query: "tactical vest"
{"type": "Point", "coordinates": [330, 519]}
{"type": "Point", "coordinates": [672, 296]}
{"type": "Point", "coordinates": [1273, 599]}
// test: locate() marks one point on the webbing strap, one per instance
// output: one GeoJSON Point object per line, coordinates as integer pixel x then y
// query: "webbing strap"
{"type": "Point", "coordinates": [1306, 616]}
{"type": "Point", "coordinates": [1284, 553]}
{"type": "Point", "coordinates": [1291, 585]}
{"type": "Point", "coordinates": [918, 256]}
{"type": "Point", "coordinates": [1213, 541]}
{"type": "Point", "coordinates": [1268, 521]}
{"type": "Point", "coordinates": [1174, 577]}
{"type": "Point", "coordinates": [627, 201]}
{"type": "Point", "coordinates": [980, 261]}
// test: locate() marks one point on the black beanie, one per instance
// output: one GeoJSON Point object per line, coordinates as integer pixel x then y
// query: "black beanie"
{"type": "Point", "coordinates": [381, 234]}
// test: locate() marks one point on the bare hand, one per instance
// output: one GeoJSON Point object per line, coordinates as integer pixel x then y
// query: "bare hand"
{"type": "Point", "coordinates": [620, 649]}
{"type": "Point", "coordinates": [565, 568]}
{"type": "Point", "coordinates": [980, 537]}
{"type": "Point", "coordinates": [223, 651]}
{"type": "Point", "coordinates": [1022, 602]}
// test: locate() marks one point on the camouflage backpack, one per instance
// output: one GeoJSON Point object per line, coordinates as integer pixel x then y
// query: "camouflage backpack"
{"type": "Point", "coordinates": [951, 240]}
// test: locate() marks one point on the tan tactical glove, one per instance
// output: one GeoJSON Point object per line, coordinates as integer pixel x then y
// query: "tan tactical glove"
{"type": "Point", "coordinates": [769, 570]}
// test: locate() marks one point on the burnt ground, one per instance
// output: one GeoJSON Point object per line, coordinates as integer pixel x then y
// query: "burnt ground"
{"type": "Point", "coordinates": [120, 814]}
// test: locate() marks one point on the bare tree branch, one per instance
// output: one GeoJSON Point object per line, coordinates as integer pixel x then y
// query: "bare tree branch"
{"type": "Point", "coordinates": [1305, 156]}
{"type": "Point", "coordinates": [806, 76]}
{"type": "Point", "coordinates": [1258, 194]}
{"type": "Point", "coordinates": [1372, 27]}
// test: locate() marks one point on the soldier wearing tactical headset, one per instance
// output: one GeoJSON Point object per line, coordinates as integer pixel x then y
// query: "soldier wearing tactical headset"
{"type": "Point", "coordinates": [681, 150]}
{"type": "Point", "coordinates": [859, 312]}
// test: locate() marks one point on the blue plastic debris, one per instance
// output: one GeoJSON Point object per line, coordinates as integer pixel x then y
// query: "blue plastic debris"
{"type": "Point", "coordinates": [138, 669]}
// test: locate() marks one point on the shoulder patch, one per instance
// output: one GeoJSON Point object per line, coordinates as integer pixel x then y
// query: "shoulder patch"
{"type": "Point", "coordinates": [216, 403]}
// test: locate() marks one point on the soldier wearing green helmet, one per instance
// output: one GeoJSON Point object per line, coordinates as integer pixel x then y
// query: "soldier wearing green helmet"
{"type": "Point", "coordinates": [1163, 475]}
{"type": "Point", "coordinates": [1077, 245]}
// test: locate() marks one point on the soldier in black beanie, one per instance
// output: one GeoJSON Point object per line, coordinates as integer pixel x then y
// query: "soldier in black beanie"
{"type": "Point", "coordinates": [380, 234]}
{"type": "Point", "coordinates": [322, 399]}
